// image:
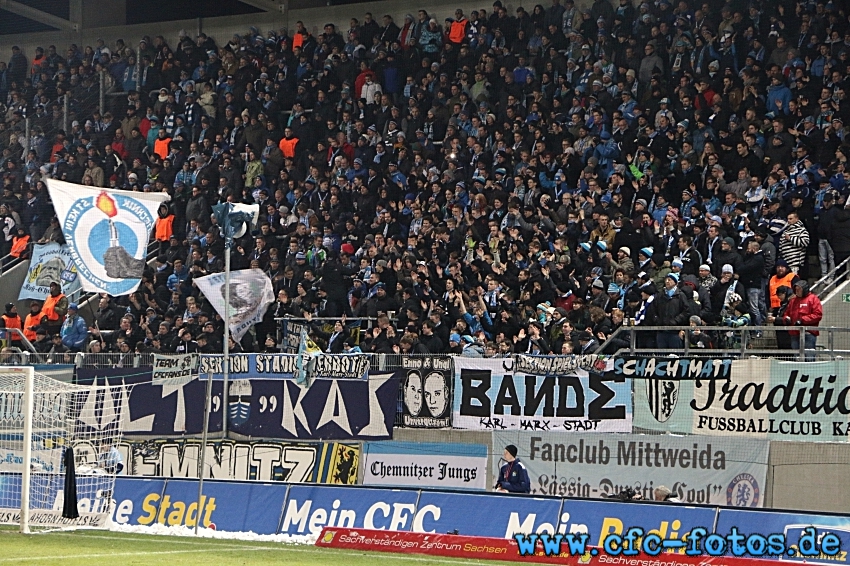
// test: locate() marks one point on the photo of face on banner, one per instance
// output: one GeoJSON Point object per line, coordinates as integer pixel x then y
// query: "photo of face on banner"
{"type": "Point", "coordinates": [436, 394]}
{"type": "Point", "coordinates": [426, 389]}
{"type": "Point", "coordinates": [413, 393]}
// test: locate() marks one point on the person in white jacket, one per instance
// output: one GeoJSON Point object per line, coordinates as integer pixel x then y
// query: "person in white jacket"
{"type": "Point", "coordinates": [370, 88]}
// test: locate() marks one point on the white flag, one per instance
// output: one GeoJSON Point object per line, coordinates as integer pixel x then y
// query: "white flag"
{"type": "Point", "coordinates": [107, 232]}
{"type": "Point", "coordinates": [250, 295]}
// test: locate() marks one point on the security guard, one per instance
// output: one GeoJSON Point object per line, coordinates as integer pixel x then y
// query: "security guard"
{"type": "Point", "coordinates": [54, 309]}
{"type": "Point", "coordinates": [12, 320]}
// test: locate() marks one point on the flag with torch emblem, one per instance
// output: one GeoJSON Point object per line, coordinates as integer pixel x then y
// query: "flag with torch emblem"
{"type": "Point", "coordinates": [107, 232]}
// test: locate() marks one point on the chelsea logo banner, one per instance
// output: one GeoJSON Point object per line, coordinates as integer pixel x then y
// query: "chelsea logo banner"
{"type": "Point", "coordinates": [107, 232]}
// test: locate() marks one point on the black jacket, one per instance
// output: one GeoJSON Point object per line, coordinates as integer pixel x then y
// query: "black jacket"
{"type": "Point", "coordinates": [670, 311]}
{"type": "Point", "coordinates": [751, 269]}
{"type": "Point", "coordinates": [840, 240]}
{"type": "Point", "coordinates": [513, 477]}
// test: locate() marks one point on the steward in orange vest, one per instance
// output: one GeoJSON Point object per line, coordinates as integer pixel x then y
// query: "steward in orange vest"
{"type": "Point", "coordinates": [33, 320]}
{"type": "Point", "coordinates": [20, 244]}
{"type": "Point", "coordinates": [54, 309]}
{"type": "Point", "coordinates": [161, 143]}
{"type": "Point", "coordinates": [287, 144]}
{"type": "Point", "coordinates": [457, 31]}
{"type": "Point", "coordinates": [164, 224]}
{"type": "Point", "coordinates": [12, 320]}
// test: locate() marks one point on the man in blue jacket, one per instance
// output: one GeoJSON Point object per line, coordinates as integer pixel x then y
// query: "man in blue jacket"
{"type": "Point", "coordinates": [513, 476]}
{"type": "Point", "coordinates": [74, 332]}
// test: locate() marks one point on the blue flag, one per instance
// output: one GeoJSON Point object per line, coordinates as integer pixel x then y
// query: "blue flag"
{"type": "Point", "coordinates": [235, 219]}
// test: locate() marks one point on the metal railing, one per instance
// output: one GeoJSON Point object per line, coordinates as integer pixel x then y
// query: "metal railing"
{"type": "Point", "coordinates": [90, 360]}
{"type": "Point", "coordinates": [746, 341]}
{"type": "Point", "coordinates": [391, 362]}
{"type": "Point", "coordinates": [826, 284]}
{"type": "Point", "coordinates": [289, 328]}
{"type": "Point", "coordinates": [9, 261]}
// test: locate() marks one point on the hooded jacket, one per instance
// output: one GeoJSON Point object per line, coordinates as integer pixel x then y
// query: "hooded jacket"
{"type": "Point", "coordinates": [164, 223]}
{"type": "Point", "coordinates": [804, 311]}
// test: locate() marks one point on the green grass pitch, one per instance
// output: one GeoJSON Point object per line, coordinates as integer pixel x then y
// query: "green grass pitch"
{"type": "Point", "coordinates": [95, 548]}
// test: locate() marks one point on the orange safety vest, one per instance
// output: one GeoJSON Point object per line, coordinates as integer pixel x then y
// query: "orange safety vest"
{"type": "Point", "coordinates": [287, 147]}
{"type": "Point", "coordinates": [776, 283]}
{"type": "Point", "coordinates": [457, 32]}
{"type": "Point", "coordinates": [19, 245]}
{"type": "Point", "coordinates": [160, 147]}
{"type": "Point", "coordinates": [13, 322]}
{"type": "Point", "coordinates": [48, 309]}
{"type": "Point", "coordinates": [31, 321]}
{"type": "Point", "coordinates": [298, 40]}
{"type": "Point", "coordinates": [164, 228]}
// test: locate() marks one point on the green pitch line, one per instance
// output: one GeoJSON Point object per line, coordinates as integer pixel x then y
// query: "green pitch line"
{"type": "Point", "coordinates": [95, 548]}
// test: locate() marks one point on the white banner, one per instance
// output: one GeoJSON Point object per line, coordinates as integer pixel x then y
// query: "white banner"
{"type": "Point", "coordinates": [762, 398]}
{"type": "Point", "coordinates": [698, 469]}
{"type": "Point", "coordinates": [546, 393]}
{"type": "Point", "coordinates": [177, 370]}
{"type": "Point", "coordinates": [107, 232]}
{"type": "Point", "coordinates": [41, 461]}
{"type": "Point", "coordinates": [423, 464]}
{"type": "Point", "coordinates": [50, 263]}
{"type": "Point", "coordinates": [251, 293]}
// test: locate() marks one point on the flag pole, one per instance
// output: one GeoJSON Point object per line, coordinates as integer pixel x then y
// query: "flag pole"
{"type": "Point", "coordinates": [201, 463]}
{"type": "Point", "coordinates": [225, 393]}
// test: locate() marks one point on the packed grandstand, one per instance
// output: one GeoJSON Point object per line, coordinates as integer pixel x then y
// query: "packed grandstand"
{"type": "Point", "coordinates": [483, 184]}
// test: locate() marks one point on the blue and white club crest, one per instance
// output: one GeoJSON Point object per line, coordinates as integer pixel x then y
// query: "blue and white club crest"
{"type": "Point", "coordinates": [743, 491]}
{"type": "Point", "coordinates": [107, 233]}
{"type": "Point", "coordinates": [239, 402]}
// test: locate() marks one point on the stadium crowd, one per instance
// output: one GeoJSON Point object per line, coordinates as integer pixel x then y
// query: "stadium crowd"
{"type": "Point", "coordinates": [487, 183]}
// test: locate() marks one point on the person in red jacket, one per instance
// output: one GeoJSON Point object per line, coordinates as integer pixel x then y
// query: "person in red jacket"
{"type": "Point", "coordinates": [804, 309]}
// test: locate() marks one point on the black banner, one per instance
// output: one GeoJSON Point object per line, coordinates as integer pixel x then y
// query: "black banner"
{"type": "Point", "coordinates": [425, 394]}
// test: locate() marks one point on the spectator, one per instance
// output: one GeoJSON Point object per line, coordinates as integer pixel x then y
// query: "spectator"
{"type": "Point", "coordinates": [406, 168]}
{"type": "Point", "coordinates": [804, 309]}
{"type": "Point", "coordinates": [670, 308]}
{"type": "Point", "coordinates": [73, 332]}
{"type": "Point", "coordinates": [794, 240]}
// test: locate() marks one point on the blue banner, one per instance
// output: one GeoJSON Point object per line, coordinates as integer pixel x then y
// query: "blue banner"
{"type": "Point", "coordinates": [154, 409]}
{"type": "Point", "coordinates": [485, 515]}
{"type": "Point", "coordinates": [302, 510]}
{"type": "Point", "coordinates": [132, 495]}
{"type": "Point", "coordinates": [308, 509]}
{"type": "Point", "coordinates": [329, 409]}
{"type": "Point", "coordinates": [791, 525]}
{"type": "Point", "coordinates": [225, 506]}
{"type": "Point", "coordinates": [601, 518]}
{"type": "Point", "coordinates": [283, 366]}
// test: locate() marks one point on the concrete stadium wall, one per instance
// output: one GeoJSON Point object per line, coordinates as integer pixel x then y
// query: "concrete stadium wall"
{"type": "Point", "coordinates": [313, 14]}
{"type": "Point", "coordinates": [12, 281]}
{"type": "Point", "coordinates": [808, 476]}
